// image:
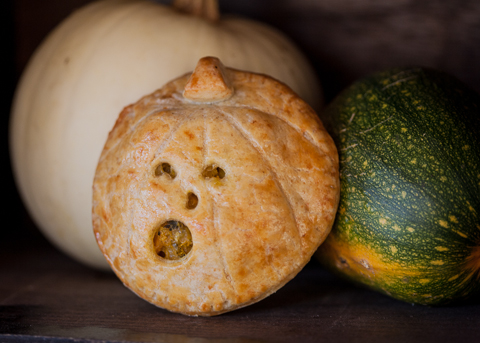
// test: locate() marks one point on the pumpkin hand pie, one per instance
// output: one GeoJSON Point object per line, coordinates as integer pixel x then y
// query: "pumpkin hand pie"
{"type": "Point", "coordinates": [214, 191]}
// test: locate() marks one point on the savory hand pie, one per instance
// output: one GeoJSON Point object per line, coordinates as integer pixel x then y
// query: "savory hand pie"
{"type": "Point", "coordinates": [214, 191]}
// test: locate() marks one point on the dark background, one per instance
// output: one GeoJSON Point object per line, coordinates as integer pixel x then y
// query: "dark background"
{"type": "Point", "coordinates": [344, 40]}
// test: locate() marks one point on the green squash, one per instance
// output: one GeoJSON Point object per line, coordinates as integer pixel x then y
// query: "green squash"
{"type": "Point", "coordinates": [408, 223]}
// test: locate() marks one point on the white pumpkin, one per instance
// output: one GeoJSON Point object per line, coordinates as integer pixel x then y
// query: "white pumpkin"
{"type": "Point", "coordinates": [100, 59]}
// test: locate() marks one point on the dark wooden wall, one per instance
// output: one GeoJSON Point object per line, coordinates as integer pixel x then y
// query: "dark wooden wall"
{"type": "Point", "coordinates": [344, 40]}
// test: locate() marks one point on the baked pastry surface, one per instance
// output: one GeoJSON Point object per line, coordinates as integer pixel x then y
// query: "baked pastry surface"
{"type": "Point", "coordinates": [261, 166]}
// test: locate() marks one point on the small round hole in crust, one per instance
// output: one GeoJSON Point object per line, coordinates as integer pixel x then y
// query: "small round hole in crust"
{"type": "Point", "coordinates": [192, 201]}
{"type": "Point", "coordinates": [165, 168]}
{"type": "Point", "coordinates": [213, 171]}
{"type": "Point", "coordinates": [172, 240]}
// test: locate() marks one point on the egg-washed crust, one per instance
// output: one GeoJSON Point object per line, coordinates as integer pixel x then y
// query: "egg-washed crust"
{"type": "Point", "coordinates": [253, 230]}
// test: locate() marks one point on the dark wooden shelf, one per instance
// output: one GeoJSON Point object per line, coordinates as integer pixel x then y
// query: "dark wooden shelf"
{"type": "Point", "coordinates": [45, 296]}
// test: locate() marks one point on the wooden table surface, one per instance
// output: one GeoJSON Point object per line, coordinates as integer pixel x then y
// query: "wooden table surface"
{"type": "Point", "coordinates": [47, 297]}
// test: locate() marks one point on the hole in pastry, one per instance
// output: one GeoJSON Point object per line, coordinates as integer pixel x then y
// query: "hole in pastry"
{"type": "Point", "coordinates": [213, 171]}
{"type": "Point", "coordinates": [192, 201]}
{"type": "Point", "coordinates": [172, 240]}
{"type": "Point", "coordinates": [165, 168]}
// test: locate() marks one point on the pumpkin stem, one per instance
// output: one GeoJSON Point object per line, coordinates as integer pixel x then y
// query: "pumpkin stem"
{"type": "Point", "coordinates": [207, 9]}
{"type": "Point", "coordinates": [209, 82]}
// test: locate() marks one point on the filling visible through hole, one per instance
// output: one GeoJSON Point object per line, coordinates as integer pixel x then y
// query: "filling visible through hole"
{"type": "Point", "coordinates": [172, 240]}
{"type": "Point", "coordinates": [192, 201]}
{"type": "Point", "coordinates": [165, 168]}
{"type": "Point", "coordinates": [213, 171]}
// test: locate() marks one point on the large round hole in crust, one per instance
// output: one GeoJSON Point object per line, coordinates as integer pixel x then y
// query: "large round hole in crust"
{"type": "Point", "coordinates": [172, 240]}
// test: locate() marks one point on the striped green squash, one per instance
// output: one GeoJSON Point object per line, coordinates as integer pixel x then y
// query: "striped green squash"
{"type": "Point", "coordinates": [408, 223]}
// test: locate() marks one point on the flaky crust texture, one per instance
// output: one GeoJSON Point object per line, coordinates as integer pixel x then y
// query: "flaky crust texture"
{"type": "Point", "coordinates": [253, 230]}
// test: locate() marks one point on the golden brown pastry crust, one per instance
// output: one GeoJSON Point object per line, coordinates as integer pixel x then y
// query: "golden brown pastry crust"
{"type": "Point", "coordinates": [253, 230]}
